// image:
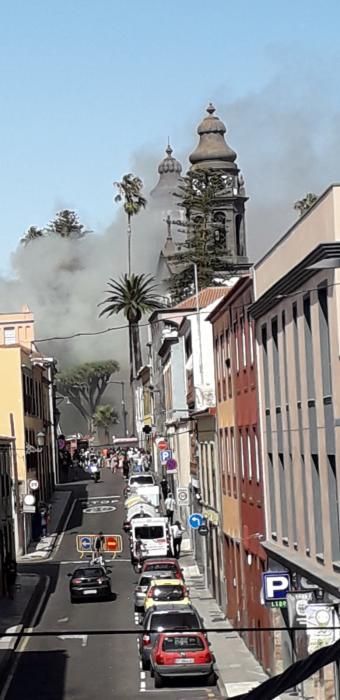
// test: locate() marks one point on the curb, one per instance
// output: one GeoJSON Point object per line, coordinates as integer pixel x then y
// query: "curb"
{"type": "Point", "coordinates": [28, 613]}
{"type": "Point", "coordinates": [41, 555]}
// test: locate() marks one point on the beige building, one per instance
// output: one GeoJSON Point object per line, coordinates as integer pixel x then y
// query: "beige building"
{"type": "Point", "coordinates": [297, 313]}
{"type": "Point", "coordinates": [26, 416]}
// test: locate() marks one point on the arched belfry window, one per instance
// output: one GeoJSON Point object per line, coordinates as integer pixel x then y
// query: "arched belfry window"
{"type": "Point", "coordinates": [239, 235]}
{"type": "Point", "coordinates": [219, 225]}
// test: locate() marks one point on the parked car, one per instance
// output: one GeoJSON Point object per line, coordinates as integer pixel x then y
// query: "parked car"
{"type": "Point", "coordinates": [154, 534]}
{"type": "Point", "coordinates": [90, 582]}
{"type": "Point", "coordinates": [163, 591]}
{"type": "Point", "coordinates": [143, 585]}
{"type": "Point", "coordinates": [159, 620]}
{"type": "Point", "coordinates": [182, 654]}
{"type": "Point", "coordinates": [168, 564]}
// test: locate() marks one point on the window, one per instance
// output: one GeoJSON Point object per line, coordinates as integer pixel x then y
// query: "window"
{"type": "Point", "coordinates": [297, 352]}
{"type": "Point", "coordinates": [238, 232]}
{"type": "Point", "coordinates": [242, 454]}
{"type": "Point", "coordinates": [333, 507]}
{"type": "Point", "coordinates": [309, 347]}
{"type": "Point", "coordinates": [243, 336]}
{"type": "Point", "coordinates": [251, 339]}
{"type": "Point", "coordinates": [219, 223]}
{"type": "Point", "coordinates": [276, 364]}
{"type": "Point", "coordinates": [250, 466]}
{"type": "Point", "coordinates": [316, 484]}
{"type": "Point", "coordinates": [237, 353]}
{"type": "Point", "coordinates": [213, 474]}
{"type": "Point", "coordinates": [9, 335]}
{"type": "Point", "coordinates": [265, 366]}
{"type": "Point", "coordinates": [325, 354]}
{"type": "Point", "coordinates": [271, 484]}
{"type": "Point", "coordinates": [150, 532]}
{"type": "Point", "coordinates": [283, 495]}
{"type": "Point", "coordinates": [232, 451]}
{"type": "Point", "coordinates": [226, 437]}
{"type": "Point", "coordinates": [257, 457]}
{"type": "Point", "coordinates": [188, 346]}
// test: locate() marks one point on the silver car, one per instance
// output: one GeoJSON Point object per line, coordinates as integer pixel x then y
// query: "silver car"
{"type": "Point", "coordinates": [143, 585]}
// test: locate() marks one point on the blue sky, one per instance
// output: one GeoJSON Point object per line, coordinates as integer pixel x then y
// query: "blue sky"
{"type": "Point", "coordinates": [84, 86]}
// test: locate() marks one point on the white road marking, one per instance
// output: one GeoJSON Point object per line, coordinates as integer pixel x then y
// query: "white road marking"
{"type": "Point", "coordinates": [84, 561]}
{"type": "Point", "coordinates": [99, 509]}
{"type": "Point", "coordinates": [60, 539]}
{"type": "Point", "coordinates": [63, 619]}
{"type": "Point", "coordinates": [23, 644]}
{"type": "Point", "coordinates": [83, 638]}
{"type": "Point", "coordinates": [143, 675]}
{"type": "Point", "coordinates": [142, 686]}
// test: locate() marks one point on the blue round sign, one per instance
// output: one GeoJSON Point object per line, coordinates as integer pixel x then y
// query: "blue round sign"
{"type": "Point", "coordinates": [195, 520]}
{"type": "Point", "coordinates": [86, 543]}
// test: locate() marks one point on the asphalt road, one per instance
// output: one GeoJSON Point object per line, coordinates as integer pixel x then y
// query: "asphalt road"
{"type": "Point", "coordinates": [88, 666]}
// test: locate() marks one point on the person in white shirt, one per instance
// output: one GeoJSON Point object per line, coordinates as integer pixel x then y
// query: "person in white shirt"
{"type": "Point", "coordinates": [177, 534]}
{"type": "Point", "coordinates": [170, 507]}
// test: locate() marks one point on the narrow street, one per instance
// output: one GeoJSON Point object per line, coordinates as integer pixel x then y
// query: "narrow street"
{"type": "Point", "coordinates": [85, 666]}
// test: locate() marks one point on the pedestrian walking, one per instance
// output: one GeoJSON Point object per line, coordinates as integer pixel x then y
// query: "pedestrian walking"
{"type": "Point", "coordinates": [164, 487]}
{"type": "Point", "coordinates": [10, 575]}
{"type": "Point", "coordinates": [99, 543]}
{"type": "Point", "coordinates": [43, 523]}
{"type": "Point", "coordinates": [170, 507]}
{"type": "Point", "coordinates": [177, 534]}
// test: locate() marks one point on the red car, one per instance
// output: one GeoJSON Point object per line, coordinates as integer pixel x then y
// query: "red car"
{"type": "Point", "coordinates": [177, 654]}
{"type": "Point", "coordinates": [167, 564]}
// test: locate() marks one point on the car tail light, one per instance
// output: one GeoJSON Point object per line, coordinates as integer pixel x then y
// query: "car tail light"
{"type": "Point", "coordinates": [76, 580]}
{"type": "Point", "coordinates": [146, 640]}
{"type": "Point", "coordinates": [178, 575]}
{"type": "Point", "coordinates": [205, 657]}
{"type": "Point", "coordinates": [159, 659]}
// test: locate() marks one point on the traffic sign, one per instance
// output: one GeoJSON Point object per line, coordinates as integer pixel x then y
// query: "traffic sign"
{"type": "Point", "coordinates": [162, 445]}
{"type": "Point", "coordinates": [29, 499]}
{"type": "Point", "coordinates": [171, 465]}
{"type": "Point", "coordinates": [276, 585]}
{"type": "Point", "coordinates": [85, 542]}
{"type": "Point", "coordinates": [113, 543]}
{"type": "Point", "coordinates": [203, 529]}
{"type": "Point", "coordinates": [34, 484]}
{"type": "Point", "coordinates": [195, 520]}
{"type": "Point", "coordinates": [183, 496]}
{"type": "Point", "coordinates": [165, 455]}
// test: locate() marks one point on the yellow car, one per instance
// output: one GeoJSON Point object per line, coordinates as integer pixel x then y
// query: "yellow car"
{"type": "Point", "coordinates": [166, 590]}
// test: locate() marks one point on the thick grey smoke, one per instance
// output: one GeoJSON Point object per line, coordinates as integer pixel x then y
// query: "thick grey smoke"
{"type": "Point", "coordinates": [286, 137]}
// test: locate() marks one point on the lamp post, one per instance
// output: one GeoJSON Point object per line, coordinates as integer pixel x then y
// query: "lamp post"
{"type": "Point", "coordinates": [124, 411]}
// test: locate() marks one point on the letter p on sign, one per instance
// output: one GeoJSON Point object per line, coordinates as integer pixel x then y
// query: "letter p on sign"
{"type": "Point", "coordinates": [276, 585]}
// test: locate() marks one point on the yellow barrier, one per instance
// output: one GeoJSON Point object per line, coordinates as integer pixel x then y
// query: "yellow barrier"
{"type": "Point", "coordinates": [113, 544]}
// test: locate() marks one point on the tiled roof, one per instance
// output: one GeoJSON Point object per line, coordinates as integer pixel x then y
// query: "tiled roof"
{"type": "Point", "coordinates": [206, 297]}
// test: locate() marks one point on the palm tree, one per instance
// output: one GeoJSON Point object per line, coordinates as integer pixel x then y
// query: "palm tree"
{"type": "Point", "coordinates": [104, 417]}
{"type": "Point", "coordinates": [32, 234]}
{"type": "Point", "coordinates": [133, 295]}
{"type": "Point", "coordinates": [302, 205]}
{"type": "Point", "coordinates": [129, 191]}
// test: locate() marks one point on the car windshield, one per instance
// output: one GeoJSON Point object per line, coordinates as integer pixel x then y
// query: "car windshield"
{"type": "Point", "coordinates": [174, 620]}
{"type": "Point", "coordinates": [144, 581]}
{"type": "Point", "coordinates": [150, 532]}
{"type": "Point", "coordinates": [182, 642]}
{"type": "Point", "coordinates": [88, 573]}
{"type": "Point", "coordinates": [168, 592]}
{"type": "Point", "coordinates": [141, 479]}
{"type": "Point", "coordinates": [162, 566]}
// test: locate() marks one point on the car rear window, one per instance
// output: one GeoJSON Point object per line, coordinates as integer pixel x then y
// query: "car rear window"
{"type": "Point", "coordinates": [141, 479]}
{"type": "Point", "coordinates": [162, 566]}
{"type": "Point", "coordinates": [168, 592]}
{"type": "Point", "coordinates": [174, 621]}
{"type": "Point", "coordinates": [182, 642]}
{"type": "Point", "coordinates": [88, 573]}
{"type": "Point", "coordinates": [150, 532]}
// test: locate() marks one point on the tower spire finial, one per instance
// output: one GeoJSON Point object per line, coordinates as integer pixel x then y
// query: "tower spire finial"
{"type": "Point", "coordinates": [211, 109]}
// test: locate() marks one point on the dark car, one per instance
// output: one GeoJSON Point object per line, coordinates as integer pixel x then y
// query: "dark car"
{"type": "Point", "coordinates": [168, 564]}
{"type": "Point", "coordinates": [158, 619]}
{"type": "Point", "coordinates": [90, 582]}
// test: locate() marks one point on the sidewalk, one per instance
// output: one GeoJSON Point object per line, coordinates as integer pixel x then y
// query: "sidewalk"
{"type": "Point", "coordinates": [59, 503]}
{"type": "Point", "coordinates": [17, 614]}
{"type": "Point", "coordinates": [237, 669]}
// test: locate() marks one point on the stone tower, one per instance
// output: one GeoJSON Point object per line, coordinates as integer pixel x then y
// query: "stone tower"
{"type": "Point", "coordinates": [169, 171]}
{"type": "Point", "coordinates": [213, 153]}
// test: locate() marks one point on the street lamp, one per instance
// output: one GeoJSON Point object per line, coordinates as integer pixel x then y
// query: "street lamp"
{"type": "Point", "coordinates": [122, 386]}
{"type": "Point", "coordinates": [41, 439]}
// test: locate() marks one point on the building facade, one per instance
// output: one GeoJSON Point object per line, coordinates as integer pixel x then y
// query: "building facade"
{"type": "Point", "coordinates": [241, 468]}
{"type": "Point", "coordinates": [297, 311]}
{"type": "Point", "coordinates": [8, 504]}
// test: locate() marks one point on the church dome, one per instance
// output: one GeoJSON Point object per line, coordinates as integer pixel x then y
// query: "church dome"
{"type": "Point", "coordinates": [169, 174]}
{"type": "Point", "coordinates": [212, 150]}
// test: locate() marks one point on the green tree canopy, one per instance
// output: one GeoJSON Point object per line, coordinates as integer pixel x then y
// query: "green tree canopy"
{"type": "Point", "coordinates": [205, 234]}
{"type": "Point", "coordinates": [85, 385]}
{"type": "Point", "coordinates": [104, 417]}
{"type": "Point", "coordinates": [32, 234]}
{"type": "Point", "coordinates": [65, 224]}
{"type": "Point", "coordinates": [130, 193]}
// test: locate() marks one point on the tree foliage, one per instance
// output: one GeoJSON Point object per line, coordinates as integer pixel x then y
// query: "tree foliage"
{"type": "Point", "coordinates": [134, 296]}
{"type": "Point", "coordinates": [65, 224]}
{"type": "Point", "coordinates": [130, 192]}
{"type": "Point", "coordinates": [205, 234]}
{"type": "Point", "coordinates": [302, 205]}
{"type": "Point", "coordinates": [104, 417]}
{"type": "Point", "coordinates": [86, 384]}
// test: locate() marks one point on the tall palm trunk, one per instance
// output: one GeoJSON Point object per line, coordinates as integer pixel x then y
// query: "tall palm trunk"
{"type": "Point", "coordinates": [129, 244]}
{"type": "Point", "coordinates": [132, 390]}
{"type": "Point", "coordinates": [136, 347]}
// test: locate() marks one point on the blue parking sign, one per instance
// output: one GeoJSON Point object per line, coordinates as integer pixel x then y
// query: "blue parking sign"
{"type": "Point", "coordinates": [165, 455]}
{"type": "Point", "coordinates": [276, 585]}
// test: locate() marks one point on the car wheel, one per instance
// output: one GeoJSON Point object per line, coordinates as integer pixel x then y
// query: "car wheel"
{"type": "Point", "coordinates": [73, 599]}
{"type": "Point", "coordinates": [137, 608]}
{"type": "Point", "coordinates": [212, 678]}
{"type": "Point", "coordinates": [158, 681]}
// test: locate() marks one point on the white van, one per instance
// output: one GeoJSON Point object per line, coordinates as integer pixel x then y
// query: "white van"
{"type": "Point", "coordinates": [155, 535]}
